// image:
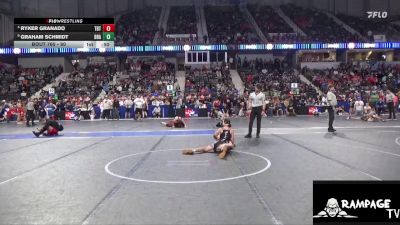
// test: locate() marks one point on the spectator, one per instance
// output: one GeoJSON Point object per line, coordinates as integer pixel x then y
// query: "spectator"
{"type": "Point", "coordinates": [128, 103]}
{"type": "Point", "coordinates": [354, 81]}
{"type": "Point", "coordinates": [359, 107]}
{"type": "Point", "coordinates": [17, 82]}
{"type": "Point", "coordinates": [390, 103]}
{"type": "Point", "coordinates": [50, 109]}
{"type": "Point", "coordinates": [182, 20]}
{"type": "Point", "coordinates": [369, 27]}
{"type": "Point", "coordinates": [227, 25]}
{"type": "Point", "coordinates": [380, 106]}
{"type": "Point", "coordinates": [107, 106]}
{"type": "Point", "coordinates": [272, 25]}
{"type": "Point", "coordinates": [203, 86]}
{"type": "Point", "coordinates": [138, 27]}
{"type": "Point", "coordinates": [115, 111]}
{"type": "Point", "coordinates": [317, 25]}
{"type": "Point", "coordinates": [157, 109]}
{"type": "Point", "coordinates": [139, 105]}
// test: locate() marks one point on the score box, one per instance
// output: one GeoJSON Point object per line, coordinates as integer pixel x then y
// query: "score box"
{"type": "Point", "coordinates": [104, 44]}
{"type": "Point", "coordinates": [108, 28]}
{"type": "Point", "coordinates": [108, 36]}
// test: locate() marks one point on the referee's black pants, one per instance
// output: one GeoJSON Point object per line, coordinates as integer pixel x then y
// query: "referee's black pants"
{"type": "Point", "coordinates": [331, 113]}
{"type": "Point", "coordinates": [391, 110]}
{"type": "Point", "coordinates": [255, 112]}
{"type": "Point", "coordinates": [30, 116]}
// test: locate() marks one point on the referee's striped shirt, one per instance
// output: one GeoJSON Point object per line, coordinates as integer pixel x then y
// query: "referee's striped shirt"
{"type": "Point", "coordinates": [257, 100]}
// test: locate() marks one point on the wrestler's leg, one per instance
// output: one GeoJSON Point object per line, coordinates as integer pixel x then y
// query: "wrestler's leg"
{"type": "Point", "coordinates": [200, 150]}
{"type": "Point", "coordinates": [225, 148]}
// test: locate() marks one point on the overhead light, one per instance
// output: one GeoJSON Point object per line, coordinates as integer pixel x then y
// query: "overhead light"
{"type": "Point", "coordinates": [186, 48]}
{"type": "Point", "coordinates": [17, 51]}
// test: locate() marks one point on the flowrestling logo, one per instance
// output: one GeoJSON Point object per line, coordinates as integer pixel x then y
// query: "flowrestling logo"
{"type": "Point", "coordinates": [356, 202]}
{"type": "Point", "coordinates": [377, 14]}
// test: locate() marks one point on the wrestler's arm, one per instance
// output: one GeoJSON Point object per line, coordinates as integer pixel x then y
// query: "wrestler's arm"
{"type": "Point", "coordinates": [217, 133]}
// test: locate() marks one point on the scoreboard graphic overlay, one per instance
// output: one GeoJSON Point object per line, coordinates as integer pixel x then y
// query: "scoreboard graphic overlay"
{"type": "Point", "coordinates": [64, 32]}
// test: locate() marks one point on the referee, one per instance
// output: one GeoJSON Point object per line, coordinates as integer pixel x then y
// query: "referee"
{"type": "Point", "coordinates": [257, 106]}
{"type": "Point", "coordinates": [332, 102]}
{"type": "Point", "coordinates": [30, 115]}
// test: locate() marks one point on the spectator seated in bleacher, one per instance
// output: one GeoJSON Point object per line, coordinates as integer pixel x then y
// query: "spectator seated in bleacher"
{"type": "Point", "coordinates": [203, 86]}
{"type": "Point", "coordinates": [369, 27]}
{"type": "Point", "coordinates": [138, 27]}
{"type": "Point", "coordinates": [274, 28]}
{"type": "Point", "coordinates": [181, 21]}
{"type": "Point", "coordinates": [20, 83]}
{"type": "Point", "coordinates": [361, 83]}
{"type": "Point", "coordinates": [227, 25]}
{"type": "Point", "coordinates": [317, 25]}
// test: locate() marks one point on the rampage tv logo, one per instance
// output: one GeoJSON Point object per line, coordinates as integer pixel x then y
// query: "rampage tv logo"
{"type": "Point", "coordinates": [377, 14]}
{"type": "Point", "coordinates": [356, 202]}
{"type": "Point", "coordinates": [334, 210]}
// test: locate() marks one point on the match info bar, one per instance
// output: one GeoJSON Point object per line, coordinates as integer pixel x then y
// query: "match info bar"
{"type": "Point", "coordinates": [64, 33]}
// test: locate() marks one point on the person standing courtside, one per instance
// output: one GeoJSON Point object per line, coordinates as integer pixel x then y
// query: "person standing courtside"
{"type": "Point", "coordinates": [390, 104]}
{"type": "Point", "coordinates": [257, 106]}
{"type": "Point", "coordinates": [128, 104]}
{"type": "Point", "coordinates": [139, 104]}
{"type": "Point", "coordinates": [332, 102]}
{"type": "Point", "coordinates": [107, 106]}
{"type": "Point", "coordinates": [30, 112]}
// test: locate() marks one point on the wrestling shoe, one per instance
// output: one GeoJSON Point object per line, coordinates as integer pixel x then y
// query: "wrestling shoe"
{"type": "Point", "coordinates": [247, 136]}
{"type": "Point", "coordinates": [187, 152]}
{"type": "Point", "coordinates": [36, 133]}
{"type": "Point", "coordinates": [257, 136]}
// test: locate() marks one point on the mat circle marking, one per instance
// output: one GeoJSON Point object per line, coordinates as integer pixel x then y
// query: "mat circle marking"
{"type": "Point", "coordinates": [107, 169]}
{"type": "Point", "coordinates": [397, 141]}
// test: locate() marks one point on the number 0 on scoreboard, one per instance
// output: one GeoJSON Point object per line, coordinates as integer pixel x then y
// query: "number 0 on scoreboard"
{"type": "Point", "coordinates": [108, 27]}
{"type": "Point", "coordinates": [108, 36]}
